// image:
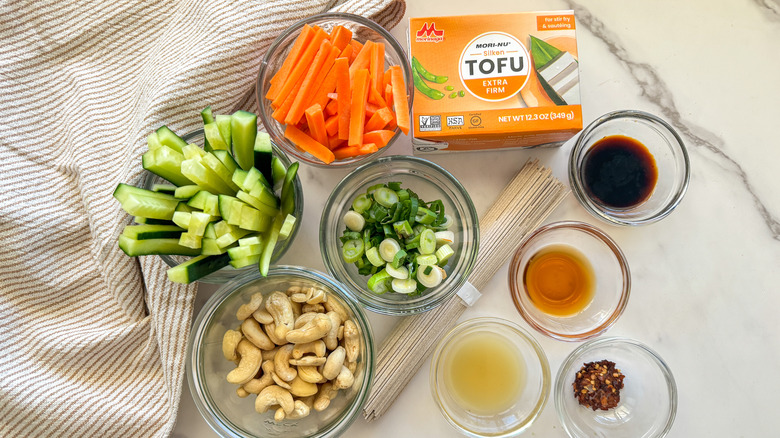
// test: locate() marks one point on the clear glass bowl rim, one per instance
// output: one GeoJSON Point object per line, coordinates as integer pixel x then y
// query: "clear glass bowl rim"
{"type": "Point", "coordinates": [401, 308]}
{"type": "Point", "coordinates": [277, 45]}
{"type": "Point", "coordinates": [516, 288]}
{"type": "Point", "coordinates": [522, 333]}
{"type": "Point", "coordinates": [574, 356]}
{"type": "Point", "coordinates": [229, 288]}
{"type": "Point", "coordinates": [579, 189]}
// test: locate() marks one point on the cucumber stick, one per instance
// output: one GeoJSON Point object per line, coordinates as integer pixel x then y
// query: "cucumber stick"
{"type": "Point", "coordinates": [243, 129]}
{"type": "Point", "coordinates": [288, 189]}
{"type": "Point", "coordinates": [263, 155]}
{"type": "Point", "coordinates": [170, 139]}
{"type": "Point", "coordinates": [207, 117]}
{"type": "Point", "coordinates": [148, 231]}
{"type": "Point", "coordinates": [135, 248]}
{"type": "Point", "coordinates": [165, 163]}
{"type": "Point", "coordinates": [268, 248]}
{"type": "Point", "coordinates": [197, 267]}
{"type": "Point", "coordinates": [211, 132]}
{"type": "Point", "coordinates": [223, 124]}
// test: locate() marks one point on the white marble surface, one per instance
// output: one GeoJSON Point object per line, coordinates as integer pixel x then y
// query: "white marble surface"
{"type": "Point", "coordinates": [705, 279]}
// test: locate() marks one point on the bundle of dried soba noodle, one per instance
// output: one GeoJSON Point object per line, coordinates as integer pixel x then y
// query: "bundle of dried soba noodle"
{"type": "Point", "coordinates": [528, 199]}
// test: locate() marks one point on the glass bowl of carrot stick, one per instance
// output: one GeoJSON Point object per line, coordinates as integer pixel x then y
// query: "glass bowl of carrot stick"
{"type": "Point", "coordinates": [335, 89]}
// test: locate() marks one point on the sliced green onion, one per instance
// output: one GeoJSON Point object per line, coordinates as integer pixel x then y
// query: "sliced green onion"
{"type": "Point", "coordinates": [444, 253]}
{"type": "Point", "coordinates": [372, 254]}
{"type": "Point", "coordinates": [379, 283]}
{"type": "Point", "coordinates": [401, 272]}
{"type": "Point", "coordinates": [427, 270]}
{"type": "Point", "coordinates": [394, 186]}
{"type": "Point", "coordinates": [403, 229]}
{"type": "Point", "coordinates": [444, 237]}
{"type": "Point", "coordinates": [388, 249]}
{"type": "Point", "coordinates": [398, 259]}
{"type": "Point", "coordinates": [352, 251]}
{"type": "Point", "coordinates": [403, 195]}
{"type": "Point", "coordinates": [429, 259]}
{"type": "Point", "coordinates": [427, 242]}
{"type": "Point", "coordinates": [361, 203]}
{"type": "Point", "coordinates": [447, 222]}
{"type": "Point", "coordinates": [354, 221]}
{"type": "Point", "coordinates": [404, 286]}
{"type": "Point", "coordinates": [373, 188]}
{"type": "Point", "coordinates": [430, 277]}
{"type": "Point", "coordinates": [385, 197]}
{"type": "Point", "coordinates": [425, 216]}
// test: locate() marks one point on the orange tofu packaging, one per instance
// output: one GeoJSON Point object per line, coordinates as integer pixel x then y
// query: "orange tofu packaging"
{"type": "Point", "coordinates": [494, 81]}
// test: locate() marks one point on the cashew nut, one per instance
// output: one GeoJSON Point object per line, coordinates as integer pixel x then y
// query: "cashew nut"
{"type": "Point", "coordinates": [351, 340]}
{"type": "Point", "coordinates": [278, 380]}
{"type": "Point", "coordinates": [282, 364]}
{"type": "Point", "coordinates": [303, 319]}
{"type": "Point", "coordinates": [241, 392]}
{"type": "Point", "coordinates": [333, 305]}
{"type": "Point", "coordinates": [229, 343]}
{"type": "Point", "coordinates": [309, 361]}
{"type": "Point", "coordinates": [344, 380]}
{"type": "Point", "coordinates": [262, 316]}
{"type": "Point", "coordinates": [301, 410]}
{"type": "Point", "coordinates": [352, 367]}
{"type": "Point", "coordinates": [315, 329]}
{"type": "Point", "coordinates": [326, 393]}
{"type": "Point", "coordinates": [302, 388]}
{"type": "Point", "coordinates": [280, 308]}
{"type": "Point", "coordinates": [331, 339]}
{"type": "Point", "coordinates": [316, 308]}
{"type": "Point", "coordinates": [256, 385]}
{"type": "Point", "coordinates": [256, 335]}
{"type": "Point", "coordinates": [317, 296]}
{"type": "Point", "coordinates": [248, 366]}
{"type": "Point", "coordinates": [293, 290]}
{"type": "Point", "coordinates": [334, 363]}
{"type": "Point", "coordinates": [246, 310]}
{"type": "Point", "coordinates": [297, 309]}
{"type": "Point", "coordinates": [317, 347]}
{"type": "Point", "coordinates": [269, 354]}
{"type": "Point", "coordinates": [308, 401]}
{"type": "Point", "coordinates": [309, 374]}
{"type": "Point", "coordinates": [270, 331]}
{"type": "Point", "coordinates": [274, 395]}
{"type": "Point", "coordinates": [302, 296]}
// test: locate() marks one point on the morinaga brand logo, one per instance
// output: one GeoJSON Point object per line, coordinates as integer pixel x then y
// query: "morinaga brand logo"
{"type": "Point", "coordinates": [429, 34]}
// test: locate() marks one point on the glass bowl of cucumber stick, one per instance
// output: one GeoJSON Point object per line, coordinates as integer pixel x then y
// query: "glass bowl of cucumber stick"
{"type": "Point", "coordinates": [401, 233]}
{"type": "Point", "coordinates": [241, 246]}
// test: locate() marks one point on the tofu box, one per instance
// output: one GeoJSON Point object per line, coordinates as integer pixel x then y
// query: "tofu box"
{"type": "Point", "coordinates": [494, 81]}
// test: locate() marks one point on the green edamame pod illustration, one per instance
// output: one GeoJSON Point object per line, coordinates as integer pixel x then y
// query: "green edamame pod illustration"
{"type": "Point", "coordinates": [423, 88]}
{"type": "Point", "coordinates": [462, 93]}
{"type": "Point", "coordinates": [449, 88]}
{"type": "Point", "coordinates": [428, 76]}
{"type": "Point", "coordinates": [453, 95]}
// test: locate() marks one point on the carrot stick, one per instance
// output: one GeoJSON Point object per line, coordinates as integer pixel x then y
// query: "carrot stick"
{"type": "Point", "coordinates": [362, 60]}
{"type": "Point", "coordinates": [356, 47]}
{"type": "Point", "coordinates": [316, 121]}
{"type": "Point", "coordinates": [380, 138]}
{"type": "Point", "coordinates": [388, 93]}
{"type": "Point", "coordinates": [347, 52]}
{"type": "Point", "coordinates": [377, 66]}
{"type": "Point", "coordinates": [335, 142]}
{"type": "Point", "coordinates": [375, 98]}
{"type": "Point", "coordinates": [300, 44]}
{"type": "Point", "coordinates": [301, 66]}
{"type": "Point", "coordinates": [386, 80]}
{"type": "Point", "coordinates": [281, 112]}
{"type": "Point", "coordinates": [371, 109]}
{"type": "Point", "coordinates": [332, 125]}
{"type": "Point", "coordinates": [332, 108]}
{"type": "Point", "coordinates": [346, 152]}
{"type": "Point", "coordinates": [323, 83]}
{"type": "Point", "coordinates": [308, 144]}
{"type": "Point", "coordinates": [340, 37]}
{"type": "Point", "coordinates": [368, 148]}
{"type": "Point", "coordinates": [399, 98]}
{"type": "Point", "coordinates": [343, 88]}
{"type": "Point", "coordinates": [379, 120]}
{"type": "Point", "coordinates": [296, 111]}
{"type": "Point", "coordinates": [357, 109]}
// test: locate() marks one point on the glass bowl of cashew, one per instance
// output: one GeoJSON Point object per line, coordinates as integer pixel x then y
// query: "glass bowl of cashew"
{"type": "Point", "coordinates": [287, 355]}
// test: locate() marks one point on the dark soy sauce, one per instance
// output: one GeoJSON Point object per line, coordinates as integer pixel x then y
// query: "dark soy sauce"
{"type": "Point", "coordinates": [619, 172]}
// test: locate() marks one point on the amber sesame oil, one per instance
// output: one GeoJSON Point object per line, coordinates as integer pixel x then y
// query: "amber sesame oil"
{"type": "Point", "coordinates": [485, 373]}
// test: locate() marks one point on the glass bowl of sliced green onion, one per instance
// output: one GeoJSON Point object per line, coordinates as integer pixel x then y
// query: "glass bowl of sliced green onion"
{"type": "Point", "coordinates": [401, 233]}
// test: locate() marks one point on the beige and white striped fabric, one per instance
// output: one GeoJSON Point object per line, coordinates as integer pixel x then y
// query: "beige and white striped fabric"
{"type": "Point", "coordinates": [91, 342]}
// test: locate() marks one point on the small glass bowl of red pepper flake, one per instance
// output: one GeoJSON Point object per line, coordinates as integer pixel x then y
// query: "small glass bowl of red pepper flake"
{"type": "Point", "coordinates": [615, 387]}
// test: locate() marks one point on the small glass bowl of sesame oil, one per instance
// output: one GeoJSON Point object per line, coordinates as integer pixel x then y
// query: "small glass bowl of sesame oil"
{"type": "Point", "coordinates": [569, 281]}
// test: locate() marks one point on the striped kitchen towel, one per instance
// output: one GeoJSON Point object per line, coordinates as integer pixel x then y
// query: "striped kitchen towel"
{"type": "Point", "coordinates": [92, 342]}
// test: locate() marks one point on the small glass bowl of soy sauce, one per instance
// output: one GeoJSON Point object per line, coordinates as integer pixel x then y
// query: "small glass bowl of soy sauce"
{"type": "Point", "coordinates": [629, 168]}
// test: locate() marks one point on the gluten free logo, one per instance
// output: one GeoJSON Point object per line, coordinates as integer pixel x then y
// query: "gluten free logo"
{"type": "Point", "coordinates": [429, 34]}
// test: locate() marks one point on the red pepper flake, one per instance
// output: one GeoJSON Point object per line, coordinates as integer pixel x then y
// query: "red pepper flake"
{"type": "Point", "coordinates": [598, 384]}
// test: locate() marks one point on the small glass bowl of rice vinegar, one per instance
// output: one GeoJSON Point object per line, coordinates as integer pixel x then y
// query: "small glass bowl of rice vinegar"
{"type": "Point", "coordinates": [569, 281]}
{"type": "Point", "coordinates": [490, 378]}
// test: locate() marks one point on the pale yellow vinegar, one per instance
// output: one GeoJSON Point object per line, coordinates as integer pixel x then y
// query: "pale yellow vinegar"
{"type": "Point", "coordinates": [485, 373]}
